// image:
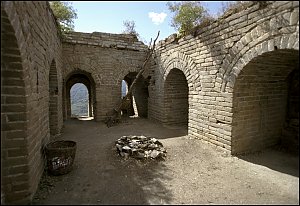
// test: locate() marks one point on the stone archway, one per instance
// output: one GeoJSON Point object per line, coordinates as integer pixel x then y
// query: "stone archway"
{"type": "Point", "coordinates": [80, 76]}
{"type": "Point", "coordinates": [131, 110]}
{"type": "Point", "coordinates": [179, 65]}
{"type": "Point", "coordinates": [14, 118]}
{"type": "Point", "coordinates": [139, 98]}
{"type": "Point", "coordinates": [260, 101]}
{"type": "Point", "coordinates": [176, 99]}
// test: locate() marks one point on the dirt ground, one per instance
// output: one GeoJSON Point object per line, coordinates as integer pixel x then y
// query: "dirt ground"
{"type": "Point", "coordinates": [194, 172]}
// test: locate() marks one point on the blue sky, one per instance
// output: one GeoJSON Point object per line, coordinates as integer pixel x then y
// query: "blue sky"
{"type": "Point", "coordinates": [149, 16]}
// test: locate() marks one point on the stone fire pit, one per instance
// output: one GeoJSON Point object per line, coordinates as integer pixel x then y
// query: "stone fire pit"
{"type": "Point", "coordinates": [140, 147]}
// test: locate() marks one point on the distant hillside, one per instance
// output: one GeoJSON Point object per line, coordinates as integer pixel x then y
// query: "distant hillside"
{"type": "Point", "coordinates": [79, 100]}
{"type": "Point", "coordinates": [124, 87]}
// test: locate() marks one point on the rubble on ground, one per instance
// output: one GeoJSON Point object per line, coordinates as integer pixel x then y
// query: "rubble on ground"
{"type": "Point", "coordinates": [140, 147]}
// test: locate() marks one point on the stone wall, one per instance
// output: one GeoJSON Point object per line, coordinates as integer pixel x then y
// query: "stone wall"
{"type": "Point", "coordinates": [107, 59]}
{"type": "Point", "coordinates": [30, 66]}
{"type": "Point", "coordinates": [236, 70]}
{"type": "Point", "coordinates": [233, 83]}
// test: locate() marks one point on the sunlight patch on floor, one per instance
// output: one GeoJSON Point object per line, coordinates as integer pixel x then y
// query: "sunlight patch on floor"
{"type": "Point", "coordinates": [85, 118]}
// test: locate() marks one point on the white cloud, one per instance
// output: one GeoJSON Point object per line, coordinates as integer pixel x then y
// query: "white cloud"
{"type": "Point", "coordinates": [157, 18]}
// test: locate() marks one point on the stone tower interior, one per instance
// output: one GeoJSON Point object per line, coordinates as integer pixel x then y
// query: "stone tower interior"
{"type": "Point", "coordinates": [234, 83]}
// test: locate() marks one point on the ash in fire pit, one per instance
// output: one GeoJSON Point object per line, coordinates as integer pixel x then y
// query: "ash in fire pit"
{"type": "Point", "coordinates": [140, 147]}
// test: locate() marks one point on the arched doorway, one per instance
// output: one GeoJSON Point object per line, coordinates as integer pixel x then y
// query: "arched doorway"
{"type": "Point", "coordinates": [79, 101]}
{"type": "Point", "coordinates": [139, 99]}
{"type": "Point", "coordinates": [262, 99]}
{"type": "Point", "coordinates": [129, 108]}
{"type": "Point", "coordinates": [85, 78]}
{"type": "Point", "coordinates": [14, 119]}
{"type": "Point", "coordinates": [176, 99]}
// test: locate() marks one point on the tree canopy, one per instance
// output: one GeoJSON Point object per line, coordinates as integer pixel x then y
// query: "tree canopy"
{"type": "Point", "coordinates": [65, 15]}
{"type": "Point", "coordinates": [188, 14]}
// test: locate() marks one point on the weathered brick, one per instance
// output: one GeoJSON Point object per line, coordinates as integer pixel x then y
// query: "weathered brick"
{"type": "Point", "coordinates": [20, 152]}
{"type": "Point", "coordinates": [223, 66]}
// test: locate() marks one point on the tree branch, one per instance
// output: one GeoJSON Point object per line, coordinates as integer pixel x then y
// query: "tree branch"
{"type": "Point", "coordinates": [139, 73]}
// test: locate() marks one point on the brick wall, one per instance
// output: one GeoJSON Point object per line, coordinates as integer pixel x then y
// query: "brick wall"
{"type": "Point", "coordinates": [107, 58]}
{"type": "Point", "coordinates": [290, 133]}
{"type": "Point", "coordinates": [30, 48]}
{"type": "Point", "coordinates": [214, 61]}
{"type": "Point", "coordinates": [229, 82]}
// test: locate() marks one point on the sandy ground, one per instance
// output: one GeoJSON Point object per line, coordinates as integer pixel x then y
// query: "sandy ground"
{"type": "Point", "coordinates": [194, 171]}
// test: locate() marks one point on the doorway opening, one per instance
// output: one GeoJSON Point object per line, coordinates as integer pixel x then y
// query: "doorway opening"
{"type": "Point", "coordinates": [79, 101]}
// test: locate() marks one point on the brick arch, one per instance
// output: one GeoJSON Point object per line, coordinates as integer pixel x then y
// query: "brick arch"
{"type": "Point", "coordinates": [86, 78]}
{"type": "Point", "coordinates": [176, 104]}
{"type": "Point", "coordinates": [256, 45]}
{"type": "Point", "coordinates": [259, 49]}
{"type": "Point", "coordinates": [86, 65]}
{"type": "Point", "coordinates": [126, 69]}
{"type": "Point", "coordinates": [139, 99]}
{"type": "Point", "coordinates": [257, 41]}
{"type": "Point", "coordinates": [123, 73]}
{"type": "Point", "coordinates": [139, 96]}
{"type": "Point", "coordinates": [178, 64]}
{"type": "Point", "coordinates": [259, 102]}
{"type": "Point", "coordinates": [260, 96]}
{"type": "Point", "coordinates": [182, 62]}
{"type": "Point", "coordinates": [14, 110]}
{"type": "Point", "coordinates": [8, 10]}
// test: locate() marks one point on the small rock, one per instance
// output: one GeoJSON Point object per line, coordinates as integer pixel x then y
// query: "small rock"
{"type": "Point", "coordinates": [126, 155]}
{"type": "Point", "coordinates": [152, 146]}
{"type": "Point", "coordinates": [119, 147]}
{"type": "Point", "coordinates": [154, 154]}
{"type": "Point", "coordinates": [126, 148]}
{"type": "Point", "coordinates": [140, 155]}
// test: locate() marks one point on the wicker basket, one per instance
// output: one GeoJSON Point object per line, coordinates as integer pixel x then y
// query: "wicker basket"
{"type": "Point", "coordinates": [60, 156]}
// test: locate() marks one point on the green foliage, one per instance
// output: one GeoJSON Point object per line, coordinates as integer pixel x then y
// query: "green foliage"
{"type": "Point", "coordinates": [65, 15]}
{"type": "Point", "coordinates": [188, 14]}
{"type": "Point", "coordinates": [130, 28]}
{"type": "Point", "coordinates": [230, 7]}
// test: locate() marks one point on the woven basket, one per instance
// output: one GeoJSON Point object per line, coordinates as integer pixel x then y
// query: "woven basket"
{"type": "Point", "coordinates": [60, 156]}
